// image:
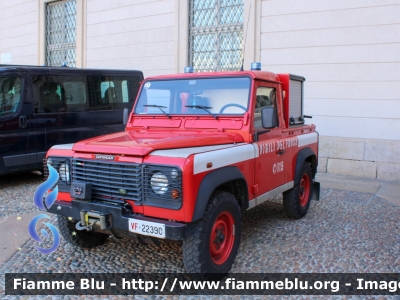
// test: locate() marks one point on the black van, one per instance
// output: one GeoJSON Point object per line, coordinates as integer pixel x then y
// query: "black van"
{"type": "Point", "coordinates": [44, 106]}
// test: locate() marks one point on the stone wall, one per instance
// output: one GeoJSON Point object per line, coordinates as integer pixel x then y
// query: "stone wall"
{"type": "Point", "coordinates": [19, 31]}
{"type": "Point", "coordinates": [348, 51]}
{"type": "Point", "coordinates": [131, 35]}
{"type": "Point", "coordinates": [360, 157]}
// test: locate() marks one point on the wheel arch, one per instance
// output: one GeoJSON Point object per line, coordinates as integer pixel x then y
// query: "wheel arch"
{"type": "Point", "coordinates": [306, 154]}
{"type": "Point", "coordinates": [228, 179]}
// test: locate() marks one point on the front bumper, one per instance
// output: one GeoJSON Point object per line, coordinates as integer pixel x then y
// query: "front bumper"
{"type": "Point", "coordinates": [118, 217]}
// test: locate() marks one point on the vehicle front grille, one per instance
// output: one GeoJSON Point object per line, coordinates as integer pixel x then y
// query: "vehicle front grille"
{"type": "Point", "coordinates": [111, 181]}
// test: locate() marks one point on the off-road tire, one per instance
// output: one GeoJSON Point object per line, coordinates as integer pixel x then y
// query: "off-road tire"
{"type": "Point", "coordinates": [296, 201]}
{"type": "Point", "coordinates": [200, 255]}
{"type": "Point", "coordinates": [79, 238]}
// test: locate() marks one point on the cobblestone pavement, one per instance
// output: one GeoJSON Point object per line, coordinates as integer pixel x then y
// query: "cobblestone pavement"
{"type": "Point", "coordinates": [16, 193]}
{"type": "Point", "coordinates": [343, 232]}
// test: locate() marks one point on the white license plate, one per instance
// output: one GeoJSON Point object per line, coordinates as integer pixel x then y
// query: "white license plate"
{"type": "Point", "coordinates": [147, 228]}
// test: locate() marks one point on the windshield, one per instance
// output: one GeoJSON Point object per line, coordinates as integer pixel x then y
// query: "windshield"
{"type": "Point", "coordinates": [195, 96]}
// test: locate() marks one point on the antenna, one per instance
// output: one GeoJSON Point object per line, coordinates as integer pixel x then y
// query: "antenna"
{"type": "Point", "coordinates": [245, 38]}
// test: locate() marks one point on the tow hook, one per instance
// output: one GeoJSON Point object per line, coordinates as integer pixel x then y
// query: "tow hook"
{"type": "Point", "coordinates": [78, 226]}
{"type": "Point", "coordinates": [89, 218]}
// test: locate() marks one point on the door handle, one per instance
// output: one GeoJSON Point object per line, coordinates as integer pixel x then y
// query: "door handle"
{"type": "Point", "coordinates": [281, 152]}
{"type": "Point", "coordinates": [22, 122]}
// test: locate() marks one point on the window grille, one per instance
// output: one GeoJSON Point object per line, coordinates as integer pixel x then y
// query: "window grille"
{"type": "Point", "coordinates": [61, 33]}
{"type": "Point", "coordinates": [216, 35]}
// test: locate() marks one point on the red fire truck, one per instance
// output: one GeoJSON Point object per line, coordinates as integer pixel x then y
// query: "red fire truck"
{"type": "Point", "coordinates": [198, 150]}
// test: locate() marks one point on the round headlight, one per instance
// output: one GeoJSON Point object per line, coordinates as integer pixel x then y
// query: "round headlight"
{"type": "Point", "coordinates": [159, 183]}
{"type": "Point", "coordinates": [63, 171]}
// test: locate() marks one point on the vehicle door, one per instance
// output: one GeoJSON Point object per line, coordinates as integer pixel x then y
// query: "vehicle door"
{"type": "Point", "coordinates": [109, 95]}
{"type": "Point", "coordinates": [17, 137]}
{"type": "Point", "coordinates": [271, 160]}
{"type": "Point", "coordinates": [61, 108]}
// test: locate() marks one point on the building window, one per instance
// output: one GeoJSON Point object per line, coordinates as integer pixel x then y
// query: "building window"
{"type": "Point", "coordinates": [216, 35]}
{"type": "Point", "coordinates": [61, 33]}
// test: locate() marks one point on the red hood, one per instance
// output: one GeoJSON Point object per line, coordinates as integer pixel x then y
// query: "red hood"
{"type": "Point", "coordinates": [142, 143]}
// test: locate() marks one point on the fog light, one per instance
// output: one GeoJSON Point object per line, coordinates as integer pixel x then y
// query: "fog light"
{"type": "Point", "coordinates": [174, 174]}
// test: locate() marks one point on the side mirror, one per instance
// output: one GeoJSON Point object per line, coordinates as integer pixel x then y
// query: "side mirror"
{"type": "Point", "coordinates": [125, 116]}
{"type": "Point", "coordinates": [268, 117]}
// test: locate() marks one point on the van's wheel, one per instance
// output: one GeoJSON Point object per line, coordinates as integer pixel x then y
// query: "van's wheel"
{"type": "Point", "coordinates": [79, 238]}
{"type": "Point", "coordinates": [211, 243]}
{"type": "Point", "coordinates": [296, 201]}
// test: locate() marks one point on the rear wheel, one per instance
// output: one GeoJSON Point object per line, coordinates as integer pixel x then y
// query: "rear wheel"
{"type": "Point", "coordinates": [79, 238]}
{"type": "Point", "coordinates": [212, 243]}
{"type": "Point", "coordinates": [296, 201]}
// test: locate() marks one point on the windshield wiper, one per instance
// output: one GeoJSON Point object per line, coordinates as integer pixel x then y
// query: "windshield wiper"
{"type": "Point", "coordinates": [206, 108]}
{"type": "Point", "coordinates": [160, 107]}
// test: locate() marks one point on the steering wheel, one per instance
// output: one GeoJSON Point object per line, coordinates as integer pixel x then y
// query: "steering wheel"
{"type": "Point", "coordinates": [231, 104]}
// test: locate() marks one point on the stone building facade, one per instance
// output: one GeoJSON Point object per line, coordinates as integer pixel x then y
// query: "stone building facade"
{"type": "Point", "coordinates": [348, 51]}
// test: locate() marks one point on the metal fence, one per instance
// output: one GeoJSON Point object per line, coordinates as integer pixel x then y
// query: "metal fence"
{"type": "Point", "coordinates": [61, 33]}
{"type": "Point", "coordinates": [216, 35]}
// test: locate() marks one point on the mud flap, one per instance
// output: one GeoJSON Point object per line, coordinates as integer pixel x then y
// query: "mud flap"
{"type": "Point", "coordinates": [317, 191]}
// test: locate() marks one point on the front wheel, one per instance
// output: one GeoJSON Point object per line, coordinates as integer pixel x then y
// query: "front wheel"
{"type": "Point", "coordinates": [296, 201]}
{"type": "Point", "coordinates": [212, 243]}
